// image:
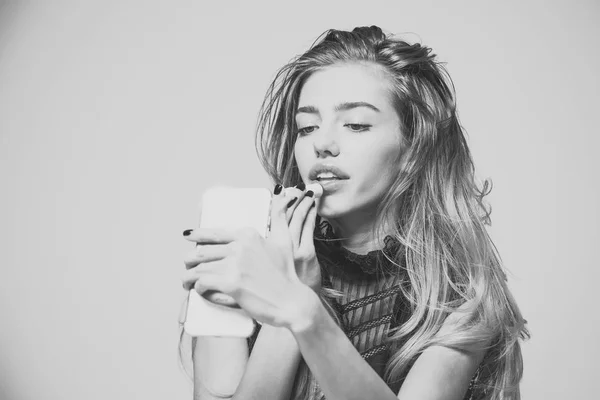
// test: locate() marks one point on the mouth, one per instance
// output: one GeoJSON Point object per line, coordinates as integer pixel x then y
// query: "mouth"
{"type": "Point", "coordinates": [323, 173]}
{"type": "Point", "coordinates": [333, 179]}
{"type": "Point", "coordinates": [331, 185]}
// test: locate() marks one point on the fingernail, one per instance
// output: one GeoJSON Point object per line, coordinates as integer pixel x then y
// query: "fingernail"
{"type": "Point", "coordinates": [301, 186]}
{"type": "Point", "coordinates": [292, 202]}
{"type": "Point", "coordinates": [187, 232]}
{"type": "Point", "coordinates": [278, 188]}
{"type": "Point", "coordinates": [310, 193]}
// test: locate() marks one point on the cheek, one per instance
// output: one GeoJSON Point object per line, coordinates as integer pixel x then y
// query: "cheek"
{"type": "Point", "coordinates": [301, 156]}
{"type": "Point", "coordinates": [379, 170]}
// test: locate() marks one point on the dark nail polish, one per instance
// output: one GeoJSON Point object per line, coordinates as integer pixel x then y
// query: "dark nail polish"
{"type": "Point", "coordinates": [310, 193]}
{"type": "Point", "coordinates": [301, 186]}
{"type": "Point", "coordinates": [187, 232]}
{"type": "Point", "coordinates": [292, 202]}
{"type": "Point", "coordinates": [278, 188]}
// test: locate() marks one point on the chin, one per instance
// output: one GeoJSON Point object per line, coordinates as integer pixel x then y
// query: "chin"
{"type": "Point", "coordinates": [330, 212]}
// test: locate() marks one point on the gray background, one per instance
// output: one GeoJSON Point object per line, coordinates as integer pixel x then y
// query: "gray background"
{"type": "Point", "coordinates": [115, 116]}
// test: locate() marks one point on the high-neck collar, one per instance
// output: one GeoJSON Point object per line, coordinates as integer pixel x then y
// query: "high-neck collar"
{"type": "Point", "coordinates": [363, 266]}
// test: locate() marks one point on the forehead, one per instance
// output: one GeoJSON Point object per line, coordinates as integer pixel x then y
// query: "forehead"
{"type": "Point", "coordinates": [346, 83]}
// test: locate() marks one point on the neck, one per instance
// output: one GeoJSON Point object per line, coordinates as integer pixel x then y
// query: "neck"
{"type": "Point", "coordinates": [357, 233]}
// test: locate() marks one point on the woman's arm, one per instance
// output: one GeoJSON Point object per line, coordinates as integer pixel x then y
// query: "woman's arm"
{"type": "Point", "coordinates": [449, 369]}
{"type": "Point", "coordinates": [222, 367]}
{"type": "Point", "coordinates": [270, 371]}
{"type": "Point", "coordinates": [438, 374]}
{"type": "Point", "coordinates": [272, 366]}
{"type": "Point", "coordinates": [219, 364]}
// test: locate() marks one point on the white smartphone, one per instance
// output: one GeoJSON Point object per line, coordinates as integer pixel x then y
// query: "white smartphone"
{"type": "Point", "coordinates": [214, 313]}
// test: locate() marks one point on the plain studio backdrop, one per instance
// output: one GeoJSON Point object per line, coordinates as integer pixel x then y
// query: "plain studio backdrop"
{"type": "Point", "coordinates": [115, 116]}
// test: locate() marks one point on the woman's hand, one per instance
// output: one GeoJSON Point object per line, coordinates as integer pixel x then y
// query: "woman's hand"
{"type": "Point", "coordinates": [258, 273]}
{"type": "Point", "coordinates": [301, 217]}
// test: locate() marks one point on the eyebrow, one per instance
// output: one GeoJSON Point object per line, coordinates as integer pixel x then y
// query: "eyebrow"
{"type": "Point", "coordinates": [340, 107]}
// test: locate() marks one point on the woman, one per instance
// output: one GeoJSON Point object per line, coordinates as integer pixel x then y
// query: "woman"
{"type": "Point", "coordinates": [386, 287]}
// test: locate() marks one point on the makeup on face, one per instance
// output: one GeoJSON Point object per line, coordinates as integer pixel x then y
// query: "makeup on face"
{"type": "Point", "coordinates": [347, 138]}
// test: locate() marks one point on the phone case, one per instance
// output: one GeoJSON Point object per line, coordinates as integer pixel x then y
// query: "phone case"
{"type": "Point", "coordinates": [231, 208]}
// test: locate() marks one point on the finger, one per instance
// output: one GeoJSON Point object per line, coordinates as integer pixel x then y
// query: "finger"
{"type": "Point", "coordinates": [206, 253]}
{"type": "Point", "coordinates": [208, 283]}
{"type": "Point", "coordinates": [307, 244]}
{"type": "Point", "coordinates": [293, 192]}
{"type": "Point", "coordinates": [301, 186]}
{"type": "Point", "coordinates": [220, 298]}
{"type": "Point", "coordinates": [299, 217]}
{"type": "Point", "coordinates": [210, 235]}
{"type": "Point", "coordinates": [202, 271]}
{"type": "Point", "coordinates": [316, 188]}
{"type": "Point", "coordinates": [279, 206]}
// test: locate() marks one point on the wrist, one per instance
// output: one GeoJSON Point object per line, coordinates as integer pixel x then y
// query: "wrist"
{"type": "Point", "coordinates": [304, 309]}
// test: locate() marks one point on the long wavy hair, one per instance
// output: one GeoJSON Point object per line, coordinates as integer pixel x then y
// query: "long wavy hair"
{"type": "Point", "coordinates": [435, 202]}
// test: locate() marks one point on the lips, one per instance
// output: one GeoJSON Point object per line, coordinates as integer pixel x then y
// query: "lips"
{"type": "Point", "coordinates": [328, 179]}
{"type": "Point", "coordinates": [331, 186]}
{"type": "Point", "coordinates": [330, 170]}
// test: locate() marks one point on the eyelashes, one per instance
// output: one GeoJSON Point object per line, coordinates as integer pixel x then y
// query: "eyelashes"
{"type": "Point", "coordinates": [358, 127]}
{"type": "Point", "coordinates": [305, 131]}
{"type": "Point", "coordinates": [352, 127]}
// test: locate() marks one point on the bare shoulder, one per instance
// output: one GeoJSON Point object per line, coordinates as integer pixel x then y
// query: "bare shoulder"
{"type": "Point", "coordinates": [455, 320]}
{"type": "Point", "coordinates": [444, 372]}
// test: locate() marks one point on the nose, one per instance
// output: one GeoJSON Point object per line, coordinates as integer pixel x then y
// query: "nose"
{"type": "Point", "coordinates": [325, 144]}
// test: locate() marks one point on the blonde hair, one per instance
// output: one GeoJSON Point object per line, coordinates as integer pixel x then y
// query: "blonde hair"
{"type": "Point", "coordinates": [437, 206]}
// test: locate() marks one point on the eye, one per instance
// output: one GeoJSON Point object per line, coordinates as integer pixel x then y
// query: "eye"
{"type": "Point", "coordinates": [306, 130]}
{"type": "Point", "coordinates": [358, 127]}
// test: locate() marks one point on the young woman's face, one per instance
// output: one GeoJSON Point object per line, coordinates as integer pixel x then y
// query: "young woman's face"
{"type": "Point", "coordinates": [345, 120]}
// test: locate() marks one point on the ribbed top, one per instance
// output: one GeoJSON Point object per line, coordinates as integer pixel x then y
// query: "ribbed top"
{"type": "Point", "coordinates": [372, 301]}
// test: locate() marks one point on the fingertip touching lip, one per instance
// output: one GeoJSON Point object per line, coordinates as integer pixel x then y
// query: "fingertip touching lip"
{"type": "Point", "coordinates": [320, 168]}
